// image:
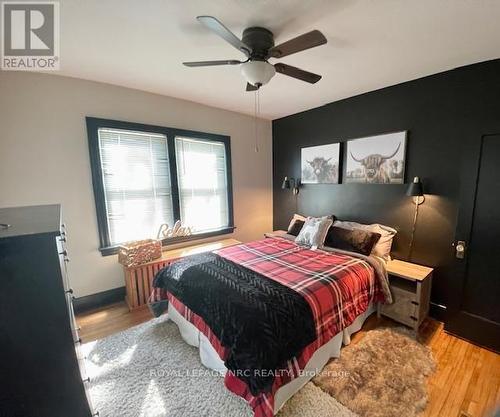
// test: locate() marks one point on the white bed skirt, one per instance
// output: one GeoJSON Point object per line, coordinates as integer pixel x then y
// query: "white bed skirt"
{"type": "Point", "coordinates": [210, 358]}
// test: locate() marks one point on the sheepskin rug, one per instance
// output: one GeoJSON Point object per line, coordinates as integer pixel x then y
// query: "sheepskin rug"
{"type": "Point", "coordinates": [383, 375]}
{"type": "Point", "coordinates": [149, 371]}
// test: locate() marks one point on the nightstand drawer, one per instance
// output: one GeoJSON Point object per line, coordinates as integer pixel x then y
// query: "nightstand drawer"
{"type": "Point", "coordinates": [403, 309]}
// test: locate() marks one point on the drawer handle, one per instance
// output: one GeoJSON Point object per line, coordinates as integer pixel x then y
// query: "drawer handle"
{"type": "Point", "coordinates": [62, 238]}
{"type": "Point", "coordinates": [4, 226]}
{"type": "Point", "coordinates": [66, 259]}
{"type": "Point", "coordinates": [64, 252]}
{"type": "Point", "coordinates": [70, 291]}
{"type": "Point", "coordinates": [86, 380]}
{"type": "Point", "coordinates": [79, 340]}
{"type": "Point", "coordinates": [415, 303]}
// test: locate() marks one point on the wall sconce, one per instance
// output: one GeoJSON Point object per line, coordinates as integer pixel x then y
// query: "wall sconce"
{"type": "Point", "coordinates": [291, 183]}
{"type": "Point", "coordinates": [416, 191]}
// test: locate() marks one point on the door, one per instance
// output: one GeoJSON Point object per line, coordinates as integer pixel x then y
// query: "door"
{"type": "Point", "coordinates": [474, 312]}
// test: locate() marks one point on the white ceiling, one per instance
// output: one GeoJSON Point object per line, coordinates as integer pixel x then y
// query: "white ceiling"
{"type": "Point", "coordinates": [371, 44]}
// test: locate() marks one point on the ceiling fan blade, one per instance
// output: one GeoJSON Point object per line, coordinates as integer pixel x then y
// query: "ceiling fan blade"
{"type": "Point", "coordinates": [212, 63]}
{"type": "Point", "coordinates": [294, 72]}
{"type": "Point", "coordinates": [251, 87]}
{"type": "Point", "coordinates": [216, 26]}
{"type": "Point", "coordinates": [300, 43]}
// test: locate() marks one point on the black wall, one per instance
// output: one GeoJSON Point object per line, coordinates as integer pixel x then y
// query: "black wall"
{"type": "Point", "coordinates": [443, 114]}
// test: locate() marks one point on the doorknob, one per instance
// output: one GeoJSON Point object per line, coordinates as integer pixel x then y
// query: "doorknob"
{"type": "Point", "coordinates": [460, 249]}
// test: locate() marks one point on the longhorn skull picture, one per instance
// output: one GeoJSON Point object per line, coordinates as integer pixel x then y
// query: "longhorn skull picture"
{"type": "Point", "coordinates": [377, 159]}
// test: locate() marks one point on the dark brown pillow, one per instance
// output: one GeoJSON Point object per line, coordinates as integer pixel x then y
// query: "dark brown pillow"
{"type": "Point", "coordinates": [296, 227]}
{"type": "Point", "coordinates": [352, 240]}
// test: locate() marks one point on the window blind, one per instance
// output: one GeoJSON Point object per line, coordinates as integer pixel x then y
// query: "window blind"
{"type": "Point", "coordinates": [202, 181]}
{"type": "Point", "coordinates": [137, 184]}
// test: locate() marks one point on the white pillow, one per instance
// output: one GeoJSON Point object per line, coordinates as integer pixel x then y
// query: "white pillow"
{"type": "Point", "coordinates": [383, 247]}
{"type": "Point", "coordinates": [314, 231]}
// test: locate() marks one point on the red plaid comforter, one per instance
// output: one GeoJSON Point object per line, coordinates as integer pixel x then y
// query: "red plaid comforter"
{"type": "Point", "coordinates": [337, 287]}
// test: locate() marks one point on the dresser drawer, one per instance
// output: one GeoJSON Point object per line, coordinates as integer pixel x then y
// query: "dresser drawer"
{"type": "Point", "coordinates": [72, 319]}
{"type": "Point", "coordinates": [63, 260]}
{"type": "Point", "coordinates": [80, 353]}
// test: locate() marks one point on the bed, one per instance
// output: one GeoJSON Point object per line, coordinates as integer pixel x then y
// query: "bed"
{"type": "Point", "coordinates": [269, 314]}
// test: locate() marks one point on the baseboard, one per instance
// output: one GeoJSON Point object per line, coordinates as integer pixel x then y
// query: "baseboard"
{"type": "Point", "coordinates": [101, 299]}
{"type": "Point", "coordinates": [437, 311]}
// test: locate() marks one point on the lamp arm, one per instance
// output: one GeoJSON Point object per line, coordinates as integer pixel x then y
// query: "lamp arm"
{"type": "Point", "coordinates": [410, 248]}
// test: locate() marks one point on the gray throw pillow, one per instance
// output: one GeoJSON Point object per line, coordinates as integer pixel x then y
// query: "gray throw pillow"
{"type": "Point", "coordinates": [314, 231]}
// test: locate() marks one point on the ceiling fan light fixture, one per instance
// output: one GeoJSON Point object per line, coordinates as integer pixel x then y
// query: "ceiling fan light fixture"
{"type": "Point", "coordinates": [257, 73]}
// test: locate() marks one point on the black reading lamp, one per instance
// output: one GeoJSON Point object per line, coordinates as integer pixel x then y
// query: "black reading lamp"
{"type": "Point", "coordinates": [292, 184]}
{"type": "Point", "coordinates": [416, 191]}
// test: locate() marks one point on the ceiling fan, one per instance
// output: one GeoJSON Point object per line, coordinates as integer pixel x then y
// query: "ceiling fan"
{"type": "Point", "coordinates": [258, 45]}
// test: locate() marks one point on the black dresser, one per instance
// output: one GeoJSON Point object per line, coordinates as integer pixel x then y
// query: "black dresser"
{"type": "Point", "coordinates": [41, 368]}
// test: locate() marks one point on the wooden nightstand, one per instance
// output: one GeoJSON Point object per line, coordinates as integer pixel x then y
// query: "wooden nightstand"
{"type": "Point", "coordinates": [411, 291]}
{"type": "Point", "coordinates": [275, 233]}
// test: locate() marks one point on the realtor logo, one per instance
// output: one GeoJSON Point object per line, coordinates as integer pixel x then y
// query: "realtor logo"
{"type": "Point", "coordinates": [30, 36]}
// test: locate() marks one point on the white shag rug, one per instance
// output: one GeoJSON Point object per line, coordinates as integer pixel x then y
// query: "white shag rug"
{"type": "Point", "coordinates": [149, 371]}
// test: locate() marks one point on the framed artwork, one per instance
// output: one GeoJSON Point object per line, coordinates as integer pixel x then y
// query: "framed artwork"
{"type": "Point", "coordinates": [320, 164]}
{"type": "Point", "coordinates": [376, 159]}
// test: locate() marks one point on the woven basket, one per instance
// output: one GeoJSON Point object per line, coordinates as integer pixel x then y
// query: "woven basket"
{"type": "Point", "coordinates": [139, 252]}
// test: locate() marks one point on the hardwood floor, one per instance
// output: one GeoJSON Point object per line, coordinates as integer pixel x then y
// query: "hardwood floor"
{"type": "Point", "coordinates": [466, 383]}
{"type": "Point", "coordinates": [114, 318]}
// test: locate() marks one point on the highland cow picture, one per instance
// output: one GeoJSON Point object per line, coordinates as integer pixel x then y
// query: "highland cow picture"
{"type": "Point", "coordinates": [376, 159]}
{"type": "Point", "coordinates": [320, 164]}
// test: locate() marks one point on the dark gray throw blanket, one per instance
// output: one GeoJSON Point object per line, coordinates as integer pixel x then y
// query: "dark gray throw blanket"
{"type": "Point", "coordinates": [261, 322]}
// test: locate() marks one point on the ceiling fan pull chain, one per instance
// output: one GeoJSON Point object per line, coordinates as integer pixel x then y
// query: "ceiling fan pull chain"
{"type": "Point", "coordinates": [256, 113]}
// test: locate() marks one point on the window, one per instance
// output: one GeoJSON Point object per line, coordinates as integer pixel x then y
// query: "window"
{"type": "Point", "coordinates": [201, 173]}
{"type": "Point", "coordinates": [145, 176]}
{"type": "Point", "coordinates": [136, 181]}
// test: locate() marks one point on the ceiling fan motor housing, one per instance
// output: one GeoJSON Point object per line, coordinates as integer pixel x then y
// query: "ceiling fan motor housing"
{"type": "Point", "coordinates": [260, 40]}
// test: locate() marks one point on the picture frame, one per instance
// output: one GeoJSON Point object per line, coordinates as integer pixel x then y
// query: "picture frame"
{"type": "Point", "coordinates": [320, 164]}
{"type": "Point", "coordinates": [377, 159]}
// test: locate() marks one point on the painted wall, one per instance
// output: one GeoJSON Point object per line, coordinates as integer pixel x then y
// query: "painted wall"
{"type": "Point", "coordinates": [44, 158]}
{"type": "Point", "coordinates": [446, 115]}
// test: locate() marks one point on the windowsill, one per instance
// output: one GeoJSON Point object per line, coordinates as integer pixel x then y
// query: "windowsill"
{"type": "Point", "coordinates": [113, 250]}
